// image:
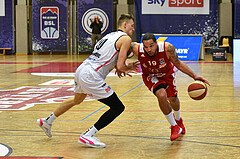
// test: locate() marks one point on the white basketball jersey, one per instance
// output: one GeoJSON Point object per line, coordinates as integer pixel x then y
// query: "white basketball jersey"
{"type": "Point", "coordinates": [105, 55]}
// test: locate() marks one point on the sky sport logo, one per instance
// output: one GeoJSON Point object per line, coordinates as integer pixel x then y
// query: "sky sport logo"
{"type": "Point", "coordinates": [179, 3]}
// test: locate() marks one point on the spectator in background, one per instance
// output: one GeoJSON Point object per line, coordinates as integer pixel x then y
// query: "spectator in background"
{"type": "Point", "coordinates": [96, 26]}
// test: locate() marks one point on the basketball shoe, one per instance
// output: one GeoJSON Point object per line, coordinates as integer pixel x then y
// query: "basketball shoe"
{"type": "Point", "coordinates": [180, 123]}
{"type": "Point", "coordinates": [175, 131]}
{"type": "Point", "coordinates": [42, 122]}
{"type": "Point", "coordinates": [90, 141]}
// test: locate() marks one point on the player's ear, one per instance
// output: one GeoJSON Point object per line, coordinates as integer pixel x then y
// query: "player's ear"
{"type": "Point", "coordinates": [124, 24]}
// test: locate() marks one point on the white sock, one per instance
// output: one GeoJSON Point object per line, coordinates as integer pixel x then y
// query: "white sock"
{"type": "Point", "coordinates": [171, 119]}
{"type": "Point", "coordinates": [91, 132]}
{"type": "Point", "coordinates": [177, 115]}
{"type": "Point", "coordinates": [51, 118]}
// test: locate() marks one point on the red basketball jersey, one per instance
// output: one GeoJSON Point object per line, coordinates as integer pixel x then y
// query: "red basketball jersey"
{"type": "Point", "coordinates": [159, 65]}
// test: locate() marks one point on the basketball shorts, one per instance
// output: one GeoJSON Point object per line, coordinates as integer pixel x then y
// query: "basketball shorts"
{"type": "Point", "coordinates": [88, 81]}
{"type": "Point", "coordinates": [152, 82]}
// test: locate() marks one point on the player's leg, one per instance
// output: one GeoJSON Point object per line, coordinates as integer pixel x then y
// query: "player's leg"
{"type": "Point", "coordinates": [158, 86]}
{"type": "Point", "coordinates": [161, 94]}
{"type": "Point", "coordinates": [94, 38]}
{"type": "Point", "coordinates": [46, 123]}
{"type": "Point", "coordinates": [116, 108]}
{"type": "Point", "coordinates": [98, 37]}
{"type": "Point", "coordinates": [174, 101]}
{"type": "Point", "coordinates": [69, 103]}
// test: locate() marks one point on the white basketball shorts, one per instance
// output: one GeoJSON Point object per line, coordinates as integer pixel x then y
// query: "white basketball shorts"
{"type": "Point", "coordinates": [88, 81]}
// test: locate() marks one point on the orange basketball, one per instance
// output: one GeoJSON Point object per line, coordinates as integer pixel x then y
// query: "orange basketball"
{"type": "Point", "coordinates": [197, 90]}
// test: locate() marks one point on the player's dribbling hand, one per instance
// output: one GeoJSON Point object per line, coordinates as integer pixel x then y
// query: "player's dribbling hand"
{"type": "Point", "coordinates": [202, 79]}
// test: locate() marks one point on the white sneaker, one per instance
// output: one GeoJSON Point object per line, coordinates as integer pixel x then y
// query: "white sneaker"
{"type": "Point", "coordinates": [90, 141]}
{"type": "Point", "coordinates": [45, 126]}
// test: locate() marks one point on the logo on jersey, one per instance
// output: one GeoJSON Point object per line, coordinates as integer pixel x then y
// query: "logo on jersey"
{"type": "Point", "coordinates": [49, 22]}
{"type": "Point", "coordinates": [90, 14]}
{"type": "Point", "coordinates": [108, 89]}
{"type": "Point", "coordinates": [162, 63]}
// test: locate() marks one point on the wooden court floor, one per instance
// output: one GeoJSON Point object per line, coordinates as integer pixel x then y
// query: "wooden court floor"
{"type": "Point", "coordinates": [32, 86]}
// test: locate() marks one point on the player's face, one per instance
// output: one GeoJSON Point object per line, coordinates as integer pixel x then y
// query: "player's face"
{"type": "Point", "coordinates": [129, 27]}
{"type": "Point", "coordinates": [150, 47]}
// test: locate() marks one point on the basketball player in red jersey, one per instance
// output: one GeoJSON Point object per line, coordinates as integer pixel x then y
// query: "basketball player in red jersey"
{"type": "Point", "coordinates": [157, 61]}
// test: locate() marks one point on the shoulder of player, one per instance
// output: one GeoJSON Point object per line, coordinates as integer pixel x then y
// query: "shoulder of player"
{"type": "Point", "coordinates": [125, 39]}
{"type": "Point", "coordinates": [169, 47]}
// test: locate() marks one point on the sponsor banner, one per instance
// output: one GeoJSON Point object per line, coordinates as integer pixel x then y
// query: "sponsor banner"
{"type": "Point", "coordinates": [175, 6]}
{"type": "Point", "coordinates": [49, 23]}
{"type": "Point", "coordinates": [54, 82]}
{"type": "Point", "coordinates": [178, 23]}
{"type": "Point", "coordinates": [187, 47]}
{"type": "Point", "coordinates": [236, 19]}
{"type": "Point", "coordinates": [26, 97]}
{"type": "Point", "coordinates": [87, 10]}
{"type": "Point", "coordinates": [2, 7]}
{"type": "Point", "coordinates": [236, 50]}
{"type": "Point", "coordinates": [7, 25]}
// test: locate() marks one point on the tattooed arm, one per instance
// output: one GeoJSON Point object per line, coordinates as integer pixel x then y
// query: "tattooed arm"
{"type": "Point", "coordinates": [134, 48]}
{"type": "Point", "coordinates": [173, 57]}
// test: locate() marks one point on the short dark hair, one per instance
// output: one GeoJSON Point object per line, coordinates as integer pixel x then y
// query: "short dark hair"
{"type": "Point", "coordinates": [149, 36]}
{"type": "Point", "coordinates": [124, 18]}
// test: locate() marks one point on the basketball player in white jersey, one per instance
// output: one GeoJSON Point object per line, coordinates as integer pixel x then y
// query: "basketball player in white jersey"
{"type": "Point", "coordinates": [108, 52]}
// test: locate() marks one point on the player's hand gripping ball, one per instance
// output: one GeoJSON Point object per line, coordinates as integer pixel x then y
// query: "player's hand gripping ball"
{"type": "Point", "coordinates": [197, 90]}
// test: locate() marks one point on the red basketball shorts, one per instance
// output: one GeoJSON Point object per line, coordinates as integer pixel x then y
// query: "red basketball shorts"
{"type": "Point", "coordinates": [153, 81]}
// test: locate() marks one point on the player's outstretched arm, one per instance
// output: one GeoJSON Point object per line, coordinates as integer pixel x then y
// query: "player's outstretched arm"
{"type": "Point", "coordinates": [123, 44]}
{"type": "Point", "coordinates": [173, 57]}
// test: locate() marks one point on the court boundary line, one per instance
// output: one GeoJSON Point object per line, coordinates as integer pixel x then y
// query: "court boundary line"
{"type": "Point", "coordinates": [144, 137]}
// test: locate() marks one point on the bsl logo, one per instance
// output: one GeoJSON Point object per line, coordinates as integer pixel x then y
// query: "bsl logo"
{"type": "Point", "coordinates": [179, 3]}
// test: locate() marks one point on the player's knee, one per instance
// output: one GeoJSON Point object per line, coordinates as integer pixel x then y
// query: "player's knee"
{"type": "Point", "coordinates": [161, 94]}
{"type": "Point", "coordinates": [173, 99]}
{"type": "Point", "coordinates": [76, 101]}
{"type": "Point", "coordinates": [114, 103]}
{"type": "Point", "coordinates": [118, 107]}
{"type": "Point", "coordinates": [121, 108]}
{"type": "Point", "coordinates": [78, 98]}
